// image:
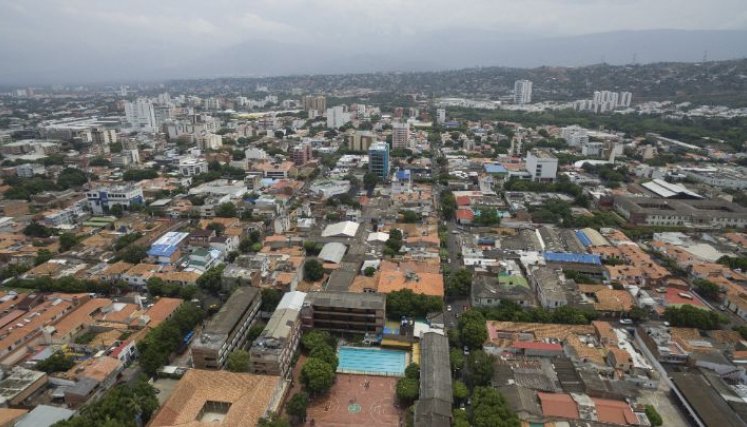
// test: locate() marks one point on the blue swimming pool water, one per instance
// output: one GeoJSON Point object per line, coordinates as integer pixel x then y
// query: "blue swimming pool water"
{"type": "Point", "coordinates": [372, 361]}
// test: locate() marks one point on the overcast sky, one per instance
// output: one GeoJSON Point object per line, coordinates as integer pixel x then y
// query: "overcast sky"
{"type": "Point", "coordinates": [33, 32]}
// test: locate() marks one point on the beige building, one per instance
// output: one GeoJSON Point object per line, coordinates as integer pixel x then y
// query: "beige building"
{"type": "Point", "coordinates": [346, 312]}
{"type": "Point", "coordinates": [273, 350]}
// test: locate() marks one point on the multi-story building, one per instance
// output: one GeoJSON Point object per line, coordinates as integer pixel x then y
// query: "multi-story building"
{"type": "Point", "coordinates": [227, 330]}
{"type": "Point", "coordinates": [168, 248]}
{"type": "Point", "coordinates": [141, 115]}
{"type": "Point", "coordinates": [542, 165]}
{"type": "Point", "coordinates": [301, 153]}
{"type": "Point", "coordinates": [522, 92]}
{"type": "Point", "coordinates": [103, 199]}
{"type": "Point", "coordinates": [441, 116]}
{"type": "Point", "coordinates": [346, 312]}
{"type": "Point", "coordinates": [687, 213]}
{"type": "Point", "coordinates": [624, 99]}
{"type": "Point", "coordinates": [191, 166]}
{"type": "Point", "coordinates": [272, 352]}
{"type": "Point", "coordinates": [103, 136]}
{"type": "Point", "coordinates": [28, 170]}
{"type": "Point", "coordinates": [209, 141]}
{"type": "Point", "coordinates": [378, 159]}
{"type": "Point", "coordinates": [316, 103]}
{"type": "Point", "coordinates": [400, 135]}
{"type": "Point", "coordinates": [337, 117]}
{"type": "Point", "coordinates": [574, 135]}
{"type": "Point", "coordinates": [361, 140]}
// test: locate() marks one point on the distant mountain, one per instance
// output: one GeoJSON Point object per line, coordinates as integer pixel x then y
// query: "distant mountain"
{"type": "Point", "coordinates": [443, 50]}
{"type": "Point", "coordinates": [461, 48]}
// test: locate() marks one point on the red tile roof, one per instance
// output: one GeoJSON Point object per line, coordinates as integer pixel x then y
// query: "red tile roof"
{"type": "Point", "coordinates": [465, 214]}
{"type": "Point", "coordinates": [614, 412]}
{"type": "Point", "coordinates": [558, 405]}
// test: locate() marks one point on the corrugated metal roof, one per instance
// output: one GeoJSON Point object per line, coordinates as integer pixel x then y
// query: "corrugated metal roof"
{"type": "Point", "coordinates": [333, 252]}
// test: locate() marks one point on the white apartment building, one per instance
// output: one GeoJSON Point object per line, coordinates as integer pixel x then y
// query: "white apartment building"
{"type": "Point", "coordinates": [141, 115]}
{"type": "Point", "coordinates": [574, 135]}
{"type": "Point", "coordinates": [337, 117]}
{"type": "Point", "coordinates": [523, 92]}
{"type": "Point", "coordinates": [400, 135]}
{"type": "Point", "coordinates": [191, 166]}
{"type": "Point", "coordinates": [103, 199]}
{"type": "Point", "coordinates": [209, 141]}
{"type": "Point", "coordinates": [541, 165]}
{"type": "Point", "coordinates": [441, 116]}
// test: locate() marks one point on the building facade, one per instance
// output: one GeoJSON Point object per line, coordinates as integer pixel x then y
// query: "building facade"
{"type": "Point", "coordinates": [378, 159]}
{"type": "Point", "coordinates": [346, 312]}
{"type": "Point", "coordinates": [103, 199]}
{"type": "Point", "coordinates": [541, 165]}
{"type": "Point", "coordinates": [522, 92]}
{"type": "Point", "coordinates": [272, 352]}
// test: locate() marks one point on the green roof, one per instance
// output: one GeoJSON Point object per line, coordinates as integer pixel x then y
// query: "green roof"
{"type": "Point", "coordinates": [512, 280]}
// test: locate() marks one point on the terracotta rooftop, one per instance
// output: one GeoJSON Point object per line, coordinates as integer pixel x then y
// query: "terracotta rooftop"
{"type": "Point", "coordinates": [558, 405]}
{"type": "Point", "coordinates": [420, 283]}
{"type": "Point", "coordinates": [244, 398]}
{"type": "Point", "coordinates": [614, 412]}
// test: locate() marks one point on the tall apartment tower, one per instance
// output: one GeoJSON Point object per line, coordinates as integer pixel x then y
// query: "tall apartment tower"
{"type": "Point", "coordinates": [400, 135]}
{"type": "Point", "coordinates": [301, 153]}
{"type": "Point", "coordinates": [624, 99]}
{"type": "Point", "coordinates": [141, 115]}
{"type": "Point", "coordinates": [523, 92]}
{"type": "Point", "coordinates": [441, 116]}
{"type": "Point", "coordinates": [317, 103]}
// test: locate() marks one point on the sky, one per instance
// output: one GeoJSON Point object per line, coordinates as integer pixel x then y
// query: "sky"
{"type": "Point", "coordinates": [64, 35]}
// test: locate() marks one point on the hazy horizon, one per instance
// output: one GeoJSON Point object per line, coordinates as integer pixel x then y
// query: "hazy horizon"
{"type": "Point", "coordinates": [76, 41]}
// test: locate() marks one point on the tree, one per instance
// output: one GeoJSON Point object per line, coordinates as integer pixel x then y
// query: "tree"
{"type": "Point", "coordinates": [57, 362]}
{"type": "Point", "coordinates": [413, 371]}
{"type": "Point", "coordinates": [707, 289]}
{"type": "Point", "coordinates": [487, 217]}
{"type": "Point", "coordinates": [211, 280]}
{"type": "Point", "coordinates": [42, 256]}
{"type": "Point", "coordinates": [461, 418]}
{"type": "Point", "coordinates": [217, 227]}
{"type": "Point", "coordinates": [370, 180]}
{"type": "Point", "coordinates": [133, 254]}
{"type": "Point", "coordinates": [67, 241]}
{"type": "Point", "coordinates": [460, 391]}
{"type": "Point", "coordinates": [472, 329]}
{"type": "Point", "coordinates": [478, 368]}
{"type": "Point", "coordinates": [457, 359]}
{"type": "Point", "coordinates": [71, 178]}
{"type": "Point", "coordinates": [35, 229]}
{"type": "Point", "coordinates": [117, 210]}
{"type": "Point", "coordinates": [297, 405]}
{"type": "Point", "coordinates": [226, 210]}
{"type": "Point", "coordinates": [270, 299]}
{"type": "Point", "coordinates": [315, 338]}
{"type": "Point", "coordinates": [637, 314]}
{"type": "Point", "coordinates": [688, 316]}
{"type": "Point", "coordinates": [313, 270]}
{"type": "Point", "coordinates": [407, 390]}
{"type": "Point", "coordinates": [317, 376]}
{"type": "Point", "coordinates": [407, 303]}
{"type": "Point", "coordinates": [459, 282]}
{"type": "Point", "coordinates": [238, 361]}
{"type": "Point", "coordinates": [490, 409]}
{"type": "Point", "coordinates": [326, 354]}
{"type": "Point", "coordinates": [409, 217]}
{"type": "Point", "coordinates": [369, 271]}
{"type": "Point", "coordinates": [653, 416]}
{"type": "Point", "coordinates": [273, 420]}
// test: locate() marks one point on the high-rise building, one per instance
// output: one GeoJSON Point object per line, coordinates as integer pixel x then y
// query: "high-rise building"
{"type": "Point", "coordinates": [441, 116]}
{"type": "Point", "coordinates": [361, 140]}
{"type": "Point", "coordinates": [378, 159]}
{"type": "Point", "coordinates": [542, 165]}
{"type": "Point", "coordinates": [523, 92]}
{"type": "Point", "coordinates": [337, 117]}
{"type": "Point", "coordinates": [103, 136]}
{"type": "Point", "coordinates": [310, 102]}
{"type": "Point", "coordinates": [400, 135]}
{"type": "Point", "coordinates": [625, 99]}
{"type": "Point", "coordinates": [301, 153]}
{"type": "Point", "coordinates": [141, 115]}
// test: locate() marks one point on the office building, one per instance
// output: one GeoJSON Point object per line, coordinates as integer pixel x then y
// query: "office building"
{"type": "Point", "coordinates": [378, 159]}
{"type": "Point", "coordinates": [272, 352]}
{"type": "Point", "coordinates": [361, 141]}
{"type": "Point", "coordinates": [140, 115]}
{"type": "Point", "coordinates": [168, 248]}
{"type": "Point", "coordinates": [317, 103]}
{"type": "Point", "coordinates": [523, 92]}
{"type": "Point", "coordinates": [400, 135]}
{"type": "Point", "coordinates": [346, 312]}
{"type": "Point", "coordinates": [103, 199]}
{"type": "Point", "coordinates": [683, 213]}
{"type": "Point", "coordinates": [337, 116]}
{"type": "Point", "coordinates": [441, 116]}
{"type": "Point", "coordinates": [301, 153]}
{"type": "Point", "coordinates": [227, 330]}
{"type": "Point", "coordinates": [541, 165]}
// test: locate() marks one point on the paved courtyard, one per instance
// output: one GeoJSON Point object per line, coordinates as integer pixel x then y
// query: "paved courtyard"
{"type": "Point", "coordinates": [351, 403]}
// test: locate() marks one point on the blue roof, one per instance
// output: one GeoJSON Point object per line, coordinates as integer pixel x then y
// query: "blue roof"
{"type": "Point", "coordinates": [573, 257]}
{"type": "Point", "coordinates": [495, 168]}
{"type": "Point", "coordinates": [583, 238]}
{"type": "Point", "coordinates": [167, 244]}
{"type": "Point", "coordinates": [403, 174]}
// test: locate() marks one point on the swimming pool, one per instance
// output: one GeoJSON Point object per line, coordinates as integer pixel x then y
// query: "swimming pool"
{"type": "Point", "coordinates": [371, 361]}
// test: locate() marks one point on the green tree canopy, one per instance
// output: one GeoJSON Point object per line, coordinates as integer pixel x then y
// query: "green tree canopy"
{"type": "Point", "coordinates": [238, 361]}
{"type": "Point", "coordinates": [317, 376]}
{"type": "Point", "coordinates": [407, 390]}
{"type": "Point", "coordinates": [313, 270]}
